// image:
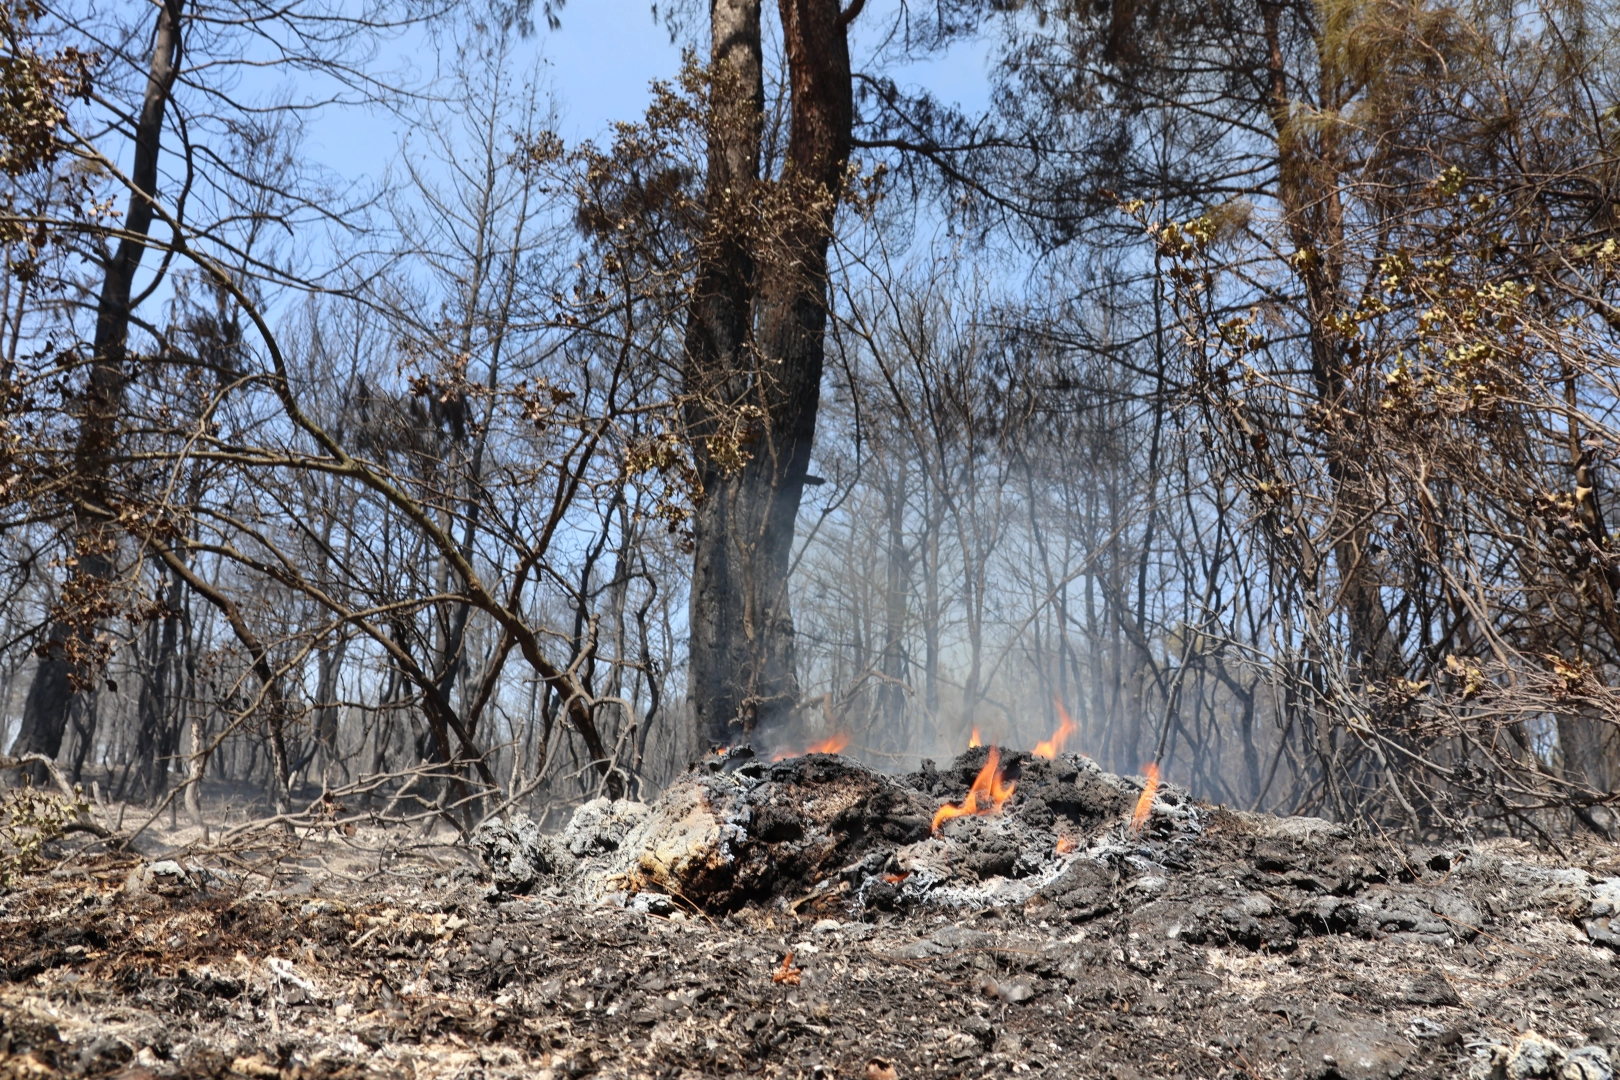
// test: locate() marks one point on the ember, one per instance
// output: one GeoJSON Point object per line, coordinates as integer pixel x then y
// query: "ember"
{"type": "Point", "coordinates": [1053, 746]}
{"type": "Point", "coordinates": [1144, 805]}
{"type": "Point", "coordinates": [787, 973]}
{"type": "Point", "coordinates": [1066, 844]}
{"type": "Point", "coordinates": [990, 791]}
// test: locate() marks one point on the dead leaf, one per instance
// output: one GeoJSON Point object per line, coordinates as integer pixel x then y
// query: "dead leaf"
{"type": "Point", "coordinates": [1468, 672]}
{"type": "Point", "coordinates": [1573, 672]}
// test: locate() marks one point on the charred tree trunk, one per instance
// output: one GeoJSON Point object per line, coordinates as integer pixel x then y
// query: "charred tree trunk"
{"type": "Point", "coordinates": [754, 354]}
{"type": "Point", "coordinates": [157, 739]}
{"type": "Point", "coordinates": [717, 367]}
{"type": "Point", "coordinates": [892, 694]}
{"type": "Point", "coordinates": [70, 642]}
{"type": "Point", "coordinates": [327, 709]}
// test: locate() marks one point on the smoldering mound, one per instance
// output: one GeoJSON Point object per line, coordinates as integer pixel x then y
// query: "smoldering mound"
{"type": "Point", "coordinates": [823, 835]}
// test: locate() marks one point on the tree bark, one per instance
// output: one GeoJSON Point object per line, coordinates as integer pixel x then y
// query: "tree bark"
{"type": "Point", "coordinates": [157, 738]}
{"type": "Point", "coordinates": [892, 694]}
{"type": "Point", "coordinates": [716, 375]}
{"type": "Point", "coordinates": [754, 355]}
{"type": "Point", "coordinates": [71, 636]}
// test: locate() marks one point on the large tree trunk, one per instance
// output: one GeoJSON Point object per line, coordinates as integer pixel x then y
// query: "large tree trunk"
{"type": "Point", "coordinates": [754, 354]}
{"type": "Point", "coordinates": [717, 373]}
{"type": "Point", "coordinates": [70, 642]}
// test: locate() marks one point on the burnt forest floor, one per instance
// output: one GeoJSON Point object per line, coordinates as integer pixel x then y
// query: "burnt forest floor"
{"type": "Point", "coordinates": [333, 965]}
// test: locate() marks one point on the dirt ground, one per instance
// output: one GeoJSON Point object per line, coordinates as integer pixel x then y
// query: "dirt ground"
{"type": "Point", "coordinates": [1268, 948]}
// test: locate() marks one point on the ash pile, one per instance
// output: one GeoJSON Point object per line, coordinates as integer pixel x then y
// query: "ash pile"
{"type": "Point", "coordinates": [823, 835]}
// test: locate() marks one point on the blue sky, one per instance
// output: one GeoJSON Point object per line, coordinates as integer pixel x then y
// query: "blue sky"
{"type": "Point", "coordinates": [598, 65]}
{"type": "Point", "coordinates": [608, 50]}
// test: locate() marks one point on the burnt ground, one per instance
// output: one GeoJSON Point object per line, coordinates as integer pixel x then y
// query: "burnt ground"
{"type": "Point", "coordinates": [1215, 944]}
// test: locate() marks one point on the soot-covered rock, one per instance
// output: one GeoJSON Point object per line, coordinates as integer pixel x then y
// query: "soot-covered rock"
{"type": "Point", "coordinates": [985, 849]}
{"type": "Point", "coordinates": [514, 853]}
{"type": "Point", "coordinates": [1352, 1048]}
{"type": "Point", "coordinates": [725, 839]}
{"type": "Point", "coordinates": [1085, 889]}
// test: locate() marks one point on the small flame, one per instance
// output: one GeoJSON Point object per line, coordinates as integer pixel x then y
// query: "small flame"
{"type": "Point", "coordinates": [1144, 805]}
{"type": "Point", "coordinates": [974, 740]}
{"type": "Point", "coordinates": [989, 793]}
{"type": "Point", "coordinates": [834, 745]}
{"type": "Point", "coordinates": [1066, 844]}
{"type": "Point", "coordinates": [1050, 748]}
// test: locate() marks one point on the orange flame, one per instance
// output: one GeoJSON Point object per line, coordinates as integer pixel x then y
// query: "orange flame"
{"type": "Point", "coordinates": [834, 745]}
{"type": "Point", "coordinates": [1050, 748]}
{"type": "Point", "coordinates": [1144, 804]}
{"type": "Point", "coordinates": [974, 740]}
{"type": "Point", "coordinates": [1066, 844]}
{"type": "Point", "coordinates": [989, 793]}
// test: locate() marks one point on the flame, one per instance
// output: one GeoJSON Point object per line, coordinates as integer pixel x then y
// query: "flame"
{"type": "Point", "coordinates": [1066, 844]}
{"type": "Point", "coordinates": [1144, 805]}
{"type": "Point", "coordinates": [974, 740]}
{"type": "Point", "coordinates": [1049, 748]}
{"type": "Point", "coordinates": [833, 745]}
{"type": "Point", "coordinates": [989, 793]}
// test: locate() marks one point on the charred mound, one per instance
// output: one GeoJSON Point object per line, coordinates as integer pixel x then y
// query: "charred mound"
{"type": "Point", "coordinates": [1359, 957]}
{"type": "Point", "coordinates": [735, 831]}
{"type": "Point", "coordinates": [821, 835]}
